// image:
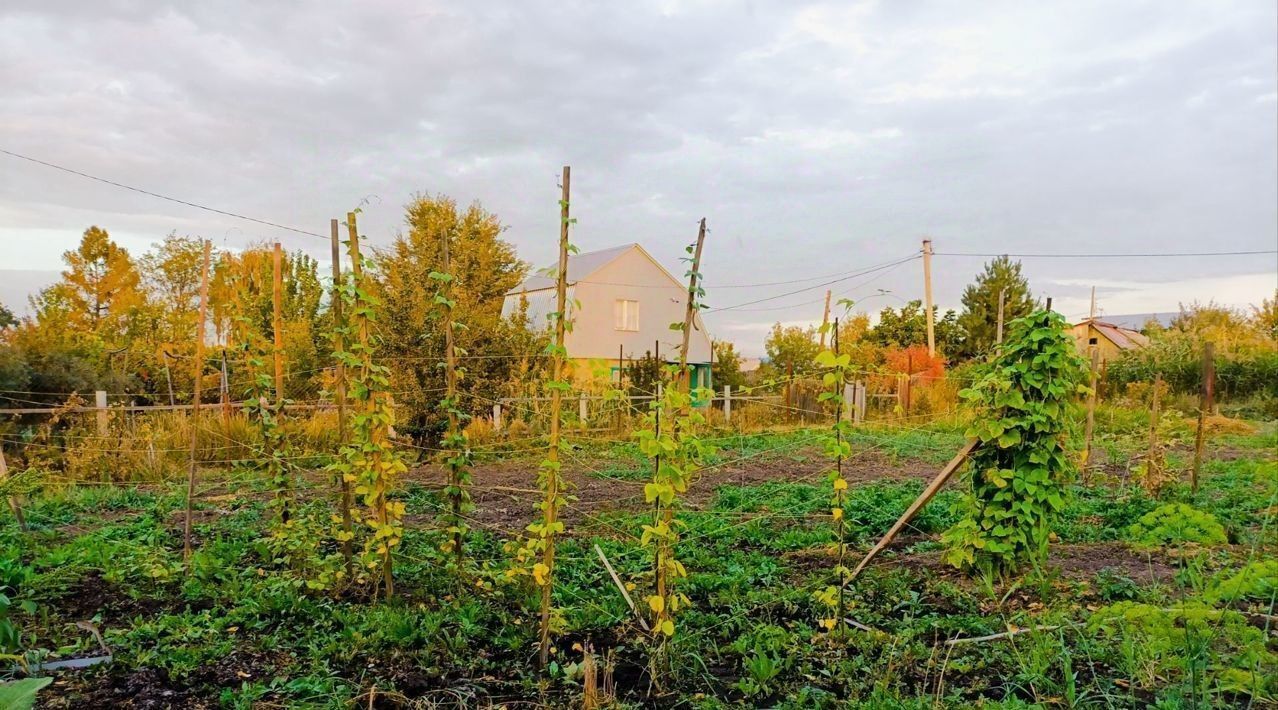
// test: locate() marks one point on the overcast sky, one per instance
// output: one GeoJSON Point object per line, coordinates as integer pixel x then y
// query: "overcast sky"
{"type": "Point", "coordinates": [816, 138]}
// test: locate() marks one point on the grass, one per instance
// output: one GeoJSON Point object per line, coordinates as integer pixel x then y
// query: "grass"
{"type": "Point", "coordinates": [238, 631]}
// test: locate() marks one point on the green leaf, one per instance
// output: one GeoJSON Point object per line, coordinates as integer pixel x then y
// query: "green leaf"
{"type": "Point", "coordinates": [21, 694]}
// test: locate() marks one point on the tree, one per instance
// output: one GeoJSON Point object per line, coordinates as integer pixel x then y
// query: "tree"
{"type": "Point", "coordinates": [7, 319]}
{"type": "Point", "coordinates": [726, 368]}
{"type": "Point", "coordinates": [791, 349]}
{"type": "Point", "coordinates": [980, 304]}
{"type": "Point", "coordinates": [100, 287]}
{"type": "Point", "coordinates": [1265, 316]}
{"type": "Point", "coordinates": [484, 267]}
{"type": "Point", "coordinates": [171, 275]}
{"type": "Point", "coordinates": [908, 326]}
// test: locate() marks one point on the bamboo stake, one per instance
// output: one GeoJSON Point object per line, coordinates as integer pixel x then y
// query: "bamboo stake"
{"type": "Point", "coordinates": [339, 377]}
{"type": "Point", "coordinates": [197, 365]}
{"type": "Point", "coordinates": [1091, 415]}
{"type": "Point", "coordinates": [994, 637]}
{"type": "Point", "coordinates": [825, 318]}
{"type": "Point", "coordinates": [14, 504]}
{"type": "Point", "coordinates": [552, 454]}
{"type": "Point", "coordinates": [621, 588]}
{"type": "Point", "coordinates": [932, 488]}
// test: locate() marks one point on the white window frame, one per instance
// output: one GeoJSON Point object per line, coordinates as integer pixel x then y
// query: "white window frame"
{"type": "Point", "coordinates": [625, 315]}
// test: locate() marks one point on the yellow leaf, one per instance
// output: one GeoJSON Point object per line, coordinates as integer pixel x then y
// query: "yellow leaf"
{"type": "Point", "coordinates": [837, 513]}
{"type": "Point", "coordinates": [656, 603]}
{"type": "Point", "coordinates": [667, 627]}
{"type": "Point", "coordinates": [840, 484]}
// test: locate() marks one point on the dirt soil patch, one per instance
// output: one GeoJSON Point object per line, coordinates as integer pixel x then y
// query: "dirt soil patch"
{"type": "Point", "coordinates": [504, 492]}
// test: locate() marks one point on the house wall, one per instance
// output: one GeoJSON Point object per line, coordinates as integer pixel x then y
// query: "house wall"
{"type": "Point", "coordinates": [632, 276]}
{"type": "Point", "coordinates": [1085, 332]}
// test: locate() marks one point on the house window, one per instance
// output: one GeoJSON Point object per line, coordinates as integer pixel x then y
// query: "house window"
{"type": "Point", "coordinates": [1091, 341]}
{"type": "Point", "coordinates": [626, 314]}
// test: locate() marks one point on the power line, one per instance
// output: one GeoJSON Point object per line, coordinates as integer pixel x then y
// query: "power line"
{"type": "Point", "coordinates": [1107, 256]}
{"type": "Point", "coordinates": [163, 197]}
{"type": "Point", "coordinates": [863, 272]}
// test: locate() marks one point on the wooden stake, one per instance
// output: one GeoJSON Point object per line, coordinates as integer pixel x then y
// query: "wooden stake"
{"type": "Point", "coordinates": [277, 321]}
{"type": "Point", "coordinates": [998, 333]}
{"type": "Point", "coordinates": [225, 390]}
{"type": "Point", "coordinates": [339, 377]}
{"type": "Point", "coordinates": [927, 293]}
{"type": "Point", "coordinates": [690, 310]}
{"type": "Point", "coordinates": [552, 454]}
{"type": "Point", "coordinates": [1091, 415]}
{"type": "Point", "coordinates": [455, 497]}
{"type": "Point", "coordinates": [14, 504]}
{"type": "Point", "coordinates": [621, 588]}
{"type": "Point", "coordinates": [364, 337]}
{"type": "Point", "coordinates": [168, 377]}
{"type": "Point", "coordinates": [825, 318]}
{"type": "Point", "coordinates": [1153, 462]}
{"type": "Point", "coordinates": [932, 488]}
{"type": "Point", "coordinates": [197, 367]}
{"type": "Point", "coordinates": [1206, 394]}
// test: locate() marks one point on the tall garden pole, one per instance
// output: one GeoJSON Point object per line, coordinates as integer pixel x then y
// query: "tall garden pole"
{"type": "Point", "coordinates": [197, 365]}
{"type": "Point", "coordinates": [339, 377]}
{"type": "Point", "coordinates": [1091, 415]}
{"type": "Point", "coordinates": [927, 294]}
{"type": "Point", "coordinates": [1206, 397]}
{"type": "Point", "coordinates": [455, 481]}
{"type": "Point", "coordinates": [825, 318]}
{"type": "Point", "coordinates": [364, 338]}
{"type": "Point", "coordinates": [690, 310]}
{"type": "Point", "coordinates": [277, 319]}
{"type": "Point", "coordinates": [998, 332]}
{"type": "Point", "coordinates": [556, 395]}
{"type": "Point", "coordinates": [14, 504]}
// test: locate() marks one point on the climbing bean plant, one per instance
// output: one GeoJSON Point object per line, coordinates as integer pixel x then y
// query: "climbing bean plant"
{"type": "Point", "coordinates": [1019, 470]}
{"type": "Point", "coordinates": [836, 443]}
{"type": "Point", "coordinates": [457, 456]}
{"type": "Point", "coordinates": [369, 461]}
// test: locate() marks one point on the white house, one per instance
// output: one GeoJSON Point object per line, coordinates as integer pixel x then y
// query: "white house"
{"type": "Point", "coordinates": [626, 302]}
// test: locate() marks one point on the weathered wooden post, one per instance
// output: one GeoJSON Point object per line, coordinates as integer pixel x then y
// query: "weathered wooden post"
{"type": "Point", "coordinates": [1091, 416]}
{"type": "Point", "coordinates": [727, 404]}
{"type": "Point", "coordinates": [197, 372]}
{"type": "Point", "coordinates": [497, 416]}
{"type": "Point", "coordinates": [346, 499]}
{"type": "Point", "coordinates": [100, 403]}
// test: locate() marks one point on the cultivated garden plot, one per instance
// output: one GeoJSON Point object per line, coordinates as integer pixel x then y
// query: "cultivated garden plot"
{"type": "Point", "coordinates": [1139, 599]}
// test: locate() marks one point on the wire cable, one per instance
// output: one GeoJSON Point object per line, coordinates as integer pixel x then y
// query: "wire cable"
{"type": "Point", "coordinates": [163, 197]}
{"type": "Point", "coordinates": [1107, 256]}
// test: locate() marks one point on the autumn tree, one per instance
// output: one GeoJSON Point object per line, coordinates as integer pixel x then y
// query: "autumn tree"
{"type": "Point", "coordinates": [1265, 316]}
{"type": "Point", "coordinates": [907, 326]}
{"type": "Point", "coordinates": [7, 319]}
{"type": "Point", "coordinates": [726, 368]}
{"type": "Point", "coordinates": [484, 267]}
{"type": "Point", "coordinates": [980, 304]}
{"type": "Point", "coordinates": [790, 349]}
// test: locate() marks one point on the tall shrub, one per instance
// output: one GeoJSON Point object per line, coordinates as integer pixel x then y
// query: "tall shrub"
{"type": "Point", "coordinates": [1020, 468]}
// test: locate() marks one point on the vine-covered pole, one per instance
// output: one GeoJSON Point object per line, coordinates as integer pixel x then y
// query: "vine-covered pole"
{"type": "Point", "coordinates": [1206, 399]}
{"type": "Point", "coordinates": [455, 441]}
{"type": "Point", "coordinates": [339, 388]}
{"type": "Point", "coordinates": [197, 366]}
{"type": "Point", "coordinates": [283, 492]}
{"type": "Point", "coordinates": [550, 468]}
{"type": "Point", "coordinates": [377, 463]}
{"type": "Point", "coordinates": [690, 311]}
{"type": "Point", "coordinates": [1090, 429]}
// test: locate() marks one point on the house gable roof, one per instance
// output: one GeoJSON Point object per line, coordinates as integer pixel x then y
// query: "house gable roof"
{"type": "Point", "coordinates": [1124, 338]}
{"type": "Point", "coordinates": [582, 266]}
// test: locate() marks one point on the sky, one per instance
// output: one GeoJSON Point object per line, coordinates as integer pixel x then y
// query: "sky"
{"type": "Point", "coordinates": [819, 140]}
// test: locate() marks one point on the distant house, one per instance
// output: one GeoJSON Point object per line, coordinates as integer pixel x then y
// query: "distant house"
{"type": "Point", "coordinates": [1109, 338]}
{"type": "Point", "coordinates": [626, 303]}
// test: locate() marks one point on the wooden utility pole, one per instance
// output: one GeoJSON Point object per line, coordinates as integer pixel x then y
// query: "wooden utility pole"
{"type": "Point", "coordinates": [825, 318]}
{"type": "Point", "coordinates": [998, 333]}
{"type": "Point", "coordinates": [1091, 415]}
{"type": "Point", "coordinates": [1206, 400]}
{"type": "Point", "coordinates": [1049, 304]}
{"type": "Point", "coordinates": [1091, 312]}
{"type": "Point", "coordinates": [339, 377]}
{"type": "Point", "coordinates": [14, 504]}
{"type": "Point", "coordinates": [455, 495]}
{"type": "Point", "coordinates": [927, 293]}
{"type": "Point", "coordinates": [556, 400]}
{"type": "Point", "coordinates": [277, 321]}
{"type": "Point", "coordinates": [197, 367]}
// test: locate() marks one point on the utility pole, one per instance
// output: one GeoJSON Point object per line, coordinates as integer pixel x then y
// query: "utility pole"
{"type": "Point", "coordinates": [825, 318]}
{"type": "Point", "coordinates": [927, 293]}
{"type": "Point", "coordinates": [1091, 314]}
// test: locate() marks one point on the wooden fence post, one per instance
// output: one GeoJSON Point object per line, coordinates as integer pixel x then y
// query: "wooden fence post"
{"type": "Point", "coordinates": [849, 397]}
{"type": "Point", "coordinates": [100, 402]}
{"type": "Point", "coordinates": [1206, 397]}
{"type": "Point", "coordinates": [197, 367]}
{"type": "Point", "coordinates": [168, 377]}
{"type": "Point", "coordinates": [583, 409]}
{"type": "Point", "coordinates": [860, 402]}
{"type": "Point", "coordinates": [225, 390]}
{"type": "Point", "coordinates": [497, 416]}
{"type": "Point", "coordinates": [727, 404]}
{"type": "Point", "coordinates": [1091, 416]}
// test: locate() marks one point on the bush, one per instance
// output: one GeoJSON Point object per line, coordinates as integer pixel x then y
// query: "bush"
{"type": "Point", "coordinates": [1257, 581]}
{"type": "Point", "coordinates": [1177, 524]}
